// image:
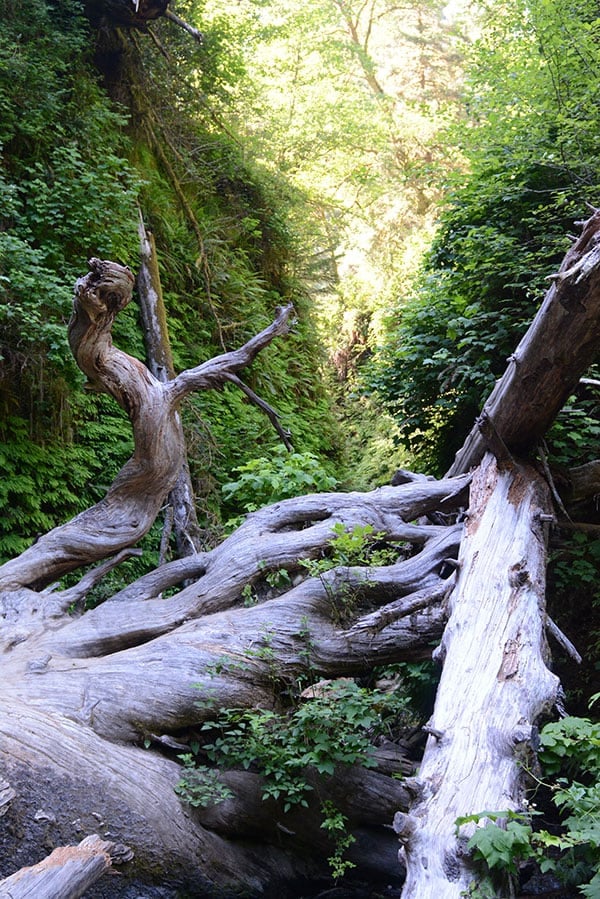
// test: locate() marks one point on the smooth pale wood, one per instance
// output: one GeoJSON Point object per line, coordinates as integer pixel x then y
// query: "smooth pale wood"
{"type": "Point", "coordinates": [66, 873]}
{"type": "Point", "coordinates": [495, 683]}
{"type": "Point", "coordinates": [559, 346]}
{"type": "Point", "coordinates": [345, 621]}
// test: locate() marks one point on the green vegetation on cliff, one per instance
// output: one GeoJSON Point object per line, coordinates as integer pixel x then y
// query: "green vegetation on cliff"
{"type": "Point", "coordinates": [93, 125]}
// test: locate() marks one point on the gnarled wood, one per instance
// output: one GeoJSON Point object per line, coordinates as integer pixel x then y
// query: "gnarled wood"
{"type": "Point", "coordinates": [183, 522]}
{"type": "Point", "coordinates": [132, 503]}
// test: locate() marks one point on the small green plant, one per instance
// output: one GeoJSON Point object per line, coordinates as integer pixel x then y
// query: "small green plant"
{"type": "Point", "coordinates": [281, 475]}
{"type": "Point", "coordinates": [577, 564]}
{"type": "Point", "coordinates": [305, 637]}
{"type": "Point", "coordinates": [249, 596]}
{"type": "Point", "coordinates": [200, 786]}
{"type": "Point", "coordinates": [355, 547]}
{"type": "Point", "coordinates": [352, 547]}
{"type": "Point", "coordinates": [335, 727]}
{"type": "Point", "coordinates": [508, 838]}
{"type": "Point", "coordinates": [336, 824]}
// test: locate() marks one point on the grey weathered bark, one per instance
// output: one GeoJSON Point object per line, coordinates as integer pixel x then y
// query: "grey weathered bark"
{"type": "Point", "coordinates": [83, 696]}
{"type": "Point", "coordinates": [133, 672]}
{"type": "Point", "coordinates": [183, 522]}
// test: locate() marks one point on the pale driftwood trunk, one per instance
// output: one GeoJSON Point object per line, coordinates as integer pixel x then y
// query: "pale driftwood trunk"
{"type": "Point", "coordinates": [495, 684]}
{"type": "Point", "coordinates": [67, 873]}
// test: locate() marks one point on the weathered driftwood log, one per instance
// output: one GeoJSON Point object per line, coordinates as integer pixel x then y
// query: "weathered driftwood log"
{"type": "Point", "coordinates": [67, 872]}
{"type": "Point", "coordinates": [82, 696]}
{"type": "Point", "coordinates": [562, 342]}
{"type": "Point", "coordinates": [495, 684]}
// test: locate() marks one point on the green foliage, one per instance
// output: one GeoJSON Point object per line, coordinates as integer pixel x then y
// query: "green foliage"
{"type": "Point", "coordinates": [336, 727]}
{"type": "Point", "coordinates": [335, 824]}
{"type": "Point", "coordinates": [67, 193]}
{"type": "Point", "coordinates": [358, 546]}
{"type": "Point", "coordinates": [281, 475]}
{"type": "Point", "coordinates": [200, 786]}
{"type": "Point", "coordinates": [570, 744]}
{"type": "Point", "coordinates": [43, 485]}
{"type": "Point", "coordinates": [74, 167]}
{"type": "Point", "coordinates": [529, 92]}
{"type": "Point", "coordinates": [576, 563]}
{"type": "Point", "coordinates": [499, 847]}
{"type": "Point", "coordinates": [507, 839]}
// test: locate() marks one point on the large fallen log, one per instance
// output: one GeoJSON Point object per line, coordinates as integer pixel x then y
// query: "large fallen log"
{"type": "Point", "coordinates": [495, 683]}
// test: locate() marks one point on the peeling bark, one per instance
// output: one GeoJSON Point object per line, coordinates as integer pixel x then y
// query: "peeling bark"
{"type": "Point", "coordinates": [495, 682]}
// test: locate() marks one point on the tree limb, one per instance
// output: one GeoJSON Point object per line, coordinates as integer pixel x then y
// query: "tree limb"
{"type": "Point", "coordinates": [561, 343]}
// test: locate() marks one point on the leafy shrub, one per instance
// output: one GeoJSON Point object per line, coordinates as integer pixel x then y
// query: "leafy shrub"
{"type": "Point", "coordinates": [335, 727]}
{"type": "Point", "coordinates": [508, 839]}
{"type": "Point", "coordinates": [281, 475]}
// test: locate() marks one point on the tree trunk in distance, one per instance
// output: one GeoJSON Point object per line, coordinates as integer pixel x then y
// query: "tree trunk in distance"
{"type": "Point", "coordinates": [494, 684]}
{"type": "Point", "coordinates": [559, 346]}
{"type": "Point", "coordinates": [160, 362]}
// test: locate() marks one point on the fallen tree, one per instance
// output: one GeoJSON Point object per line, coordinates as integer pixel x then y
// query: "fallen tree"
{"type": "Point", "coordinates": [97, 706]}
